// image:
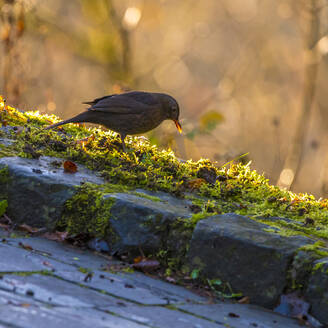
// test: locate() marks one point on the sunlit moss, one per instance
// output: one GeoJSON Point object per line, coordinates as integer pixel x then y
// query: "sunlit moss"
{"type": "Point", "coordinates": [237, 188]}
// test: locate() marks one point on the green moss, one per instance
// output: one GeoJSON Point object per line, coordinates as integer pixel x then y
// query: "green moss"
{"type": "Point", "coordinates": [318, 248]}
{"type": "Point", "coordinates": [87, 212]}
{"type": "Point", "coordinates": [143, 195]}
{"type": "Point", "coordinates": [319, 266]}
{"type": "Point", "coordinates": [4, 175]}
{"type": "Point", "coordinates": [3, 207]}
{"type": "Point", "coordinates": [84, 270]}
{"type": "Point", "coordinates": [238, 189]}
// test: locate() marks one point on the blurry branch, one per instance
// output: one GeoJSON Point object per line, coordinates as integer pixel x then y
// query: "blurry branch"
{"type": "Point", "coordinates": [293, 159]}
{"type": "Point", "coordinates": [103, 42]}
{"type": "Point", "coordinates": [12, 28]}
{"type": "Point", "coordinates": [124, 36]}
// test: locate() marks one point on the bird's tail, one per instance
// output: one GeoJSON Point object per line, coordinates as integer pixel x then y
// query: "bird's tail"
{"type": "Point", "coordinates": [76, 119]}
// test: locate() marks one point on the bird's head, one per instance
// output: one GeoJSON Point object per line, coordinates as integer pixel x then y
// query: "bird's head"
{"type": "Point", "coordinates": [173, 111]}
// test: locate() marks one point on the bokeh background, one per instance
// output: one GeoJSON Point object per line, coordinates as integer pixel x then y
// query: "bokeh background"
{"type": "Point", "coordinates": [251, 76]}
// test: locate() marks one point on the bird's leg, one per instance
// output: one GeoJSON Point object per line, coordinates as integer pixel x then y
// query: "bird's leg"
{"type": "Point", "coordinates": [123, 144]}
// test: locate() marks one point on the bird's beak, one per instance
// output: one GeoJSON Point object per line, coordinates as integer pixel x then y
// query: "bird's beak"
{"type": "Point", "coordinates": [178, 125]}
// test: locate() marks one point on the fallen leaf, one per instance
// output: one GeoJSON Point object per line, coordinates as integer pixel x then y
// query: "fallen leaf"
{"type": "Point", "coordinates": [70, 167]}
{"type": "Point", "coordinates": [26, 246]}
{"type": "Point", "coordinates": [25, 305]}
{"type": "Point", "coordinates": [138, 259]}
{"type": "Point", "coordinates": [56, 236]}
{"type": "Point", "coordinates": [27, 228]}
{"type": "Point", "coordinates": [244, 300]}
{"type": "Point", "coordinates": [195, 183]}
{"type": "Point", "coordinates": [146, 265]}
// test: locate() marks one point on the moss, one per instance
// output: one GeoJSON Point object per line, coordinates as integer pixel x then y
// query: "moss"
{"type": "Point", "coordinates": [84, 270]}
{"type": "Point", "coordinates": [319, 266]}
{"type": "Point", "coordinates": [237, 188]}
{"type": "Point", "coordinates": [4, 176]}
{"type": "Point", "coordinates": [143, 195]}
{"type": "Point", "coordinates": [87, 212]}
{"type": "Point", "coordinates": [28, 273]}
{"type": "Point", "coordinates": [3, 207]}
{"type": "Point", "coordinates": [317, 248]}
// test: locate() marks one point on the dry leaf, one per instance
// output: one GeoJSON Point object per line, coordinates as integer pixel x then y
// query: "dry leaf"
{"type": "Point", "coordinates": [70, 167]}
{"type": "Point", "coordinates": [56, 236]}
{"type": "Point", "coordinates": [196, 183]}
{"type": "Point", "coordinates": [244, 300]}
{"type": "Point", "coordinates": [26, 246]}
{"type": "Point", "coordinates": [146, 265]}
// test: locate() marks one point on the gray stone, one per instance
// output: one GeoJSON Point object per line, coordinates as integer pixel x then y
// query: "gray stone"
{"type": "Point", "coordinates": [52, 256]}
{"type": "Point", "coordinates": [317, 291]}
{"type": "Point", "coordinates": [163, 317]}
{"type": "Point", "coordinates": [240, 315]}
{"type": "Point", "coordinates": [138, 221]}
{"type": "Point", "coordinates": [27, 316]}
{"type": "Point", "coordinates": [180, 293]}
{"type": "Point", "coordinates": [131, 289]}
{"type": "Point", "coordinates": [61, 252]}
{"type": "Point", "coordinates": [37, 189]}
{"type": "Point", "coordinates": [237, 250]}
{"type": "Point", "coordinates": [64, 298]}
{"type": "Point", "coordinates": [97, 318]}
{"type": "Point", "coordinates": [19, 260]}
{"type": "Point", "coordinates": [7, 297]}
{"type": "Point", "coordinates": [54, 291]}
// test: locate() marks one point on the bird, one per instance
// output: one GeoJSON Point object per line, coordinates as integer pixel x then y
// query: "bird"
{"type": "Point", "coordinates": [129, 113]}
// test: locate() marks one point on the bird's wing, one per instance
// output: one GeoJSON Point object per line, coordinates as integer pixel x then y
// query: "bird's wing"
{"type": "Point", "coordinates": [127, 103]}
{"type": "Point", "coordinates": [96, 100]}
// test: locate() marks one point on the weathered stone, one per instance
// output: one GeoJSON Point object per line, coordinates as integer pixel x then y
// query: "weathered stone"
{"type": "Point", "coordinates": [163, 317]}
{"type": "Point", "coordinates": [237, 250]}
{"type": "Point", "coordinates": [15, 259]}
{"type": "Point", "coordinates": [138, 221]}
{"type": "Point", "coordinates": [24, 312]}
{"type": "Point", "coordinates": [240, 315]}
{"type": "Point", "coordinates": [38, 189]}
{"type": "Point", "coordinates": [131, 287]}
{"type": "Point", "coordinates": [317, 291]}
{"type": "Point", "coordinates": [54, 291]}
{"type": "Point", "coordinates": [68, 299]}
{"type": "Point", "coordinates": [57, 256]}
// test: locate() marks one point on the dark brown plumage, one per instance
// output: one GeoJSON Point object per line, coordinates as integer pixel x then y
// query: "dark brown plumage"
{"type": "Point", "coordinates": [129, 113]}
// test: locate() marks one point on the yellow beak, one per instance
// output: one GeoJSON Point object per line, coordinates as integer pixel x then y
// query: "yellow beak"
{"type": "Point", "coordinates": [178, 125]}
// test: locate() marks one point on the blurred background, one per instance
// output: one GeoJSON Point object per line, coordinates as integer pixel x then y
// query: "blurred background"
{"type": "Point", "coordinates": [251, 76]}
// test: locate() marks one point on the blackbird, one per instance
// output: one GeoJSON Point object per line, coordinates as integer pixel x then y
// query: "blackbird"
{"type": "Point", "coordinates": [129, 113]}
